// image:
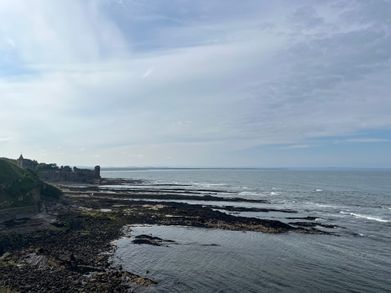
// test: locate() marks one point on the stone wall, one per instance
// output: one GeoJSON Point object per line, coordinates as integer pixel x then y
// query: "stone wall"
{"type": "Point", "coordinates": [53, 173]}
{"type": "Point", "coordinates": [66, 174]}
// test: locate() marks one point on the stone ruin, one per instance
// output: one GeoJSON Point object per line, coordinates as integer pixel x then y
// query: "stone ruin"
{"type": "Point", "coordinates": [53, 173]}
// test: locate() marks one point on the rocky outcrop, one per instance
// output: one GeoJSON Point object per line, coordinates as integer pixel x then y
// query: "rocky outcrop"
{"type": "Point", "coordinates": [151, 240]}
{"type": "Point", "coordinates": [22, 193]}
{"type": "Point", "coordinates": [72, 256]}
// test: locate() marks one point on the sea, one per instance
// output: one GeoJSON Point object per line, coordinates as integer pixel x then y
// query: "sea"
{"type": "Point", "coordinates": [356, 257]}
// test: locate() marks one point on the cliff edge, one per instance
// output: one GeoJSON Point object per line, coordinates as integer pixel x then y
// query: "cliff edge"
{"type": "Point", "coordinates": [21, 191]}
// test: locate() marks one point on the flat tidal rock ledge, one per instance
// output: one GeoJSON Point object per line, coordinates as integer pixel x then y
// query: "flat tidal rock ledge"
{"type": "Point", "coordinates": [74, 257]}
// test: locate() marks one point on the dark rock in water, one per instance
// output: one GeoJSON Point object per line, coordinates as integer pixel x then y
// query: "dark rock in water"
{"type": "Point", "coordinates": [309, 218]}
{"type": "Point", "coordinates": [150, 240]}
{"type": "Point", "coordinates": [312, 224]}
{"type": "Point", "coordinates": [259, 210]}
{"type": "Point", "coordinates": [120, 181]}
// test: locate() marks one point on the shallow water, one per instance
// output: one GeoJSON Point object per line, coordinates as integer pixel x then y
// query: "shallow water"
{"type": "Point", "coordinates": [358, 260]}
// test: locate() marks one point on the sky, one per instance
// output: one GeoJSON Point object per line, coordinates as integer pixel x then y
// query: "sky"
{"type": "Point", "coordinates": [206, 83]}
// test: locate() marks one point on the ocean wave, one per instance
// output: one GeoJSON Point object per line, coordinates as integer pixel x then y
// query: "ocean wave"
{"type": "Point", "coordinates": [205, 184]}
{"type": "Point", "coordinates": [321, 205]}
{"type": "Point", "coordinates": [318, 190]}
{"type": "Point", "coordinates": [367, 217]}
{"type": "Point", "coordinates": [249, 193]}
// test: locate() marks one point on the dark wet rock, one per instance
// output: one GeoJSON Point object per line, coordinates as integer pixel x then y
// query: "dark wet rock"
{"type": "Point", "coordinates": [137, 194]}
{"type": "Point", "coordinates": [38, 261]}
{"type": "Point", "coordinates": [145, 239]}
{"type": "Point", "coordinates": [146, 192]}
{"type": "Point", "coordinates": [15, 222]}
{"type": "Point", "coordinates": [259, 210]}
{"type": "Point", "coordinates": [176, 213]}
{"type": "Point", "coordinates": [312, 224]}
{"type": "Point", "coordinates": [5, 256]}
{"type": "Point", "coordinates": [120, 181]}
{"type": "Point", "coordinates": [61, 260]}
{"type": "Point", "coordinates": [150, 240]}
{"type": "Point", "coordinates": [303, 218]}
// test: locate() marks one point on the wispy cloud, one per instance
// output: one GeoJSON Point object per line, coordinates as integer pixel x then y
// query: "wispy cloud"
{"type": "Point", "coordinates": [5, 139]}
{"type": "Point", "coordinates": [119, 75]}
{"type": "Point", "coordinates": [297, 146]}
{"type": "Point", "coordinates": [363, 140]}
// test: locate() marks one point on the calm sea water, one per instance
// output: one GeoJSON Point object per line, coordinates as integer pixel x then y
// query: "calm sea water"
{"type": "Point", "coordinates": [357, 260]}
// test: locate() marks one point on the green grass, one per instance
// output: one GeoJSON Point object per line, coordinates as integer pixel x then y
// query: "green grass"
{"type": "Point", "coordinates": [19, 187]}
{"type": "Point", "coordinates": [9, 171]}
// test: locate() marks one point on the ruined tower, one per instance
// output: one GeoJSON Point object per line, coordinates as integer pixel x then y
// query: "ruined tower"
{"type": "Point", "coordinates": [97, 172]}
{"type": "Point", "coordinates": [19, 161]}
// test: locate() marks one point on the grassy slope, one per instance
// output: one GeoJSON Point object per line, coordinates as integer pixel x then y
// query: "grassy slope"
{"type": "Point", "coordinates": [17, 186]}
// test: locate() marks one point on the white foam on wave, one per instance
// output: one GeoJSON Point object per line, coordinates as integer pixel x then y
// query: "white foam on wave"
{"type": "Point", "coordinates": [205, 184]}
{"type": "Point", "coordinates": [318, 190]}
{"type": "Point", "coordinates": [249, 193]}
{"type": "Point", "coordinates": [325, 205]}
{"type": "Point", "coordinates": [254, 193]}
{"type": "Point", "coordinates": [367, 217]}
{"type": "Point", "coordinates": [320, 205]}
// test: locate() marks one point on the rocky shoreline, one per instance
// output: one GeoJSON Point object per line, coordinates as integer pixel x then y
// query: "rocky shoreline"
{"type": "Point", "coordinates": [72, 255]}
{"type": "Point", "coordinates": [69, 248]}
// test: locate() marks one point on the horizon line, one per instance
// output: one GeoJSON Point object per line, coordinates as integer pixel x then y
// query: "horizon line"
{"type": "Point", "coordinates": [242, 167]}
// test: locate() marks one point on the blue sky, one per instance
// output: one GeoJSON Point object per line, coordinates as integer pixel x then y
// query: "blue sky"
{"type": "Point", "coordinates": [226, 83]}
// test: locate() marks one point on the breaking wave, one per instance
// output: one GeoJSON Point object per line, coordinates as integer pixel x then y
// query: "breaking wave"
{"type": "Point", "coordinates": [367, 217]}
